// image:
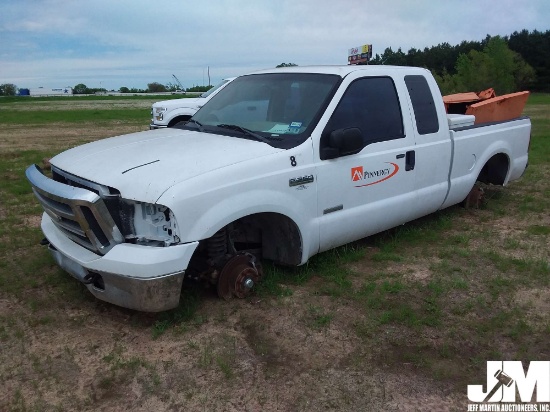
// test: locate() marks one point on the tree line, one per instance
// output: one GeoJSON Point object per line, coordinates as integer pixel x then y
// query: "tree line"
{"type": "Point", "coordinates": [153, 87]}
{"type": "Point", "coordinates": [520, 61]}
{"type": "Point", "coordinates": [9, 89]}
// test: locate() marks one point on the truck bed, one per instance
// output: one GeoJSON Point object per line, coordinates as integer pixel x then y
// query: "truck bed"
{"type": "Point", "coordinates": [502, 146]}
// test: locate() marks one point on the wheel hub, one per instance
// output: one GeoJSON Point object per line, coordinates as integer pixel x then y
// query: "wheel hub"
{"type": "Point", "coordinates": [238, 276]}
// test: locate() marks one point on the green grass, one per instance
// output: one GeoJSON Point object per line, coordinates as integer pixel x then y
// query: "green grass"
{"type": "Point", "coordinates": [328, 266]}
{"type": "Point", "coordinates": [441, 295]}
{"type": "Point", "coordinates": [539, 230]}
{"type": "Point", "coordinates": [318, 318]}
{"type": "Point", "coordinates": [75, 116]}
{"type": "Point", "coordinates": [538, 99]}
{"type": "Point", "coordinates": [23, 100]}
{"type": "Point", "coordinates": [35, 114]}
{"type": "Point", "coordinates": [537, 110]}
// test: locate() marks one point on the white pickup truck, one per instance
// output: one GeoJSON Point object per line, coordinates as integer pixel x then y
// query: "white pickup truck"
{"type": "Point", "coordinates": [279, 165]}
{"type": "Point", "coordinates": [168, 113]}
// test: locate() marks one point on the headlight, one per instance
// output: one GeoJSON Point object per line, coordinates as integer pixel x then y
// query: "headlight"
{"type": "Point", "coordinates": [154, 225]}
{"type": "Point", "coordinates": [158, 113]}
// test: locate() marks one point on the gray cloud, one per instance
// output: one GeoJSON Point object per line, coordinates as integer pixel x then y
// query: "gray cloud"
{"type": "Point", "coordinates": [134, 42]}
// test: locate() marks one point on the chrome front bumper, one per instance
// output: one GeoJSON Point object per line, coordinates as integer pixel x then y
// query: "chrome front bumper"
{"type": "Point", "coordinates": [154, 126]}
{"type": "Point", "coordinates": [143, 278]}
{"type": "Point", "coordinates": [147, 295]}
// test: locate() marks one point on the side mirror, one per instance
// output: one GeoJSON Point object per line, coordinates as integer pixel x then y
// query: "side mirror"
{"type": "Point", "coordinates": [343, 142]}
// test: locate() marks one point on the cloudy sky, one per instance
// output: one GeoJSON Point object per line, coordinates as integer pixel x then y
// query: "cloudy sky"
{"type": "Point", "coordinates": [114, 43]}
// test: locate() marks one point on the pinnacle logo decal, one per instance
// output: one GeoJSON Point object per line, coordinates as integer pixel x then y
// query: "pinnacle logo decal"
{"type": "Point", "coordinates": [357, 173]}
{"type": "Point", "coordinates": [371, 177]}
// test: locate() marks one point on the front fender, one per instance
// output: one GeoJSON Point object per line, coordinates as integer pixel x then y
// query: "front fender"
{"type": "Point", "coordinates": [208, 203]}
{"type": "Point", "coordinates": [184, 111]}
{"type": "Point", "coordinates": [218, 215]}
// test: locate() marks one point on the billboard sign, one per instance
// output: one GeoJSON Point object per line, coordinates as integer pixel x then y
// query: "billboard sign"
{"type": "Point", "coordinates": [360, 54]}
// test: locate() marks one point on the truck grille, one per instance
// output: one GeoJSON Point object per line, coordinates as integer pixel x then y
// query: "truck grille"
{"type": "Point", "coordinates": [78, 211]}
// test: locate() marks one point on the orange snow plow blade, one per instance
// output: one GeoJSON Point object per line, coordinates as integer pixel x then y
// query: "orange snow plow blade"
{"type": "Point", "coordinates": [499, 108]}
{"type": "Point", "coordinates": [460, 98]}
{"type": "Point", "coordinates": [486, 106]}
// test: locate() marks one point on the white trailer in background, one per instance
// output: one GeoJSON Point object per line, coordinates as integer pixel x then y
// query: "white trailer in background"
{"type": "Point", "coordinates": [58, 91]}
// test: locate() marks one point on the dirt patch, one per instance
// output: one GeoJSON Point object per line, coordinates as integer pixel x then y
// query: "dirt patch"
{"type": "Point", "coordinates": [60, 136]}
{"type": "Point", "coordinates": [313, 350]}
{"type": "Point", "coordinates": [420, 272]}
{"type": "Point", "coordinates": [32, 221]}
{"type": "Point", "coordinates": [263, 357]}
{"type": "Point", "coordinates": [537, 304]}
{"type": "Point", "coordinates": [513, 238]}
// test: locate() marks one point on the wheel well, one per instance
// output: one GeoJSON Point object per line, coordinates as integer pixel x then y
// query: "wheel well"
{"type": "Point", "coordinates": [269, 236]}
{"type": "Point", "coordinates": [178, 119]}
{"type": "Point", "coordinates": [278, 236]}
{"type": "Point", "coordinates": [495, 170]}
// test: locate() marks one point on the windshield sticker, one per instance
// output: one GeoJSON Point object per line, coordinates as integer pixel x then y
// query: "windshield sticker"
{"type": "Point", "coordinates": [279, 128]}
{"type": "Point", "coordinates": [364, 178]}
{"type": "Point", "coordinates": [294, 127]}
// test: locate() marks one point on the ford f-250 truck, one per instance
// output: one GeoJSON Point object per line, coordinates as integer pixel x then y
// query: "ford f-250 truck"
{"type": "Point", "coordinates": [168, 113]}
{"type": "Point", "coordinates": [279, 165]}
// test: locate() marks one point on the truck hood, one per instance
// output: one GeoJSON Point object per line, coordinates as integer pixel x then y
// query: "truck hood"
{"type": "Point", "coordinates": [143, 165]}
{"type": "Point", "coordinates": [195, 102]}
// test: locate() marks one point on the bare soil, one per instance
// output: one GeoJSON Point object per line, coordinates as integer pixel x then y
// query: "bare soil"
{"type": "Point", "coordinates": [257, 354]}
{"type": "Point", "coordinates": [60, 136]}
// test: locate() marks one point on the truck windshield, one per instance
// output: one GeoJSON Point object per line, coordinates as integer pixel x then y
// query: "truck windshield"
{"type": "Point", "coordinates": [213, 89]}
{"type": "Point", "coordinates": [280, 109]}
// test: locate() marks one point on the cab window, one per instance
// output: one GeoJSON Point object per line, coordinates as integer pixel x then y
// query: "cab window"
{"type": "Point", "coordinates": [370, 104]}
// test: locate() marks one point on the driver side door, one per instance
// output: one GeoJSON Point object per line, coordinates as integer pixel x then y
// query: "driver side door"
{"type": "Point", "coordinates": [372, 189]}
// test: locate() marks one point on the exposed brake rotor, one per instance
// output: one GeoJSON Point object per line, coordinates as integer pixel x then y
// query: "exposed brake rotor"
{"type": "Point", "coordinates": [238, 276]}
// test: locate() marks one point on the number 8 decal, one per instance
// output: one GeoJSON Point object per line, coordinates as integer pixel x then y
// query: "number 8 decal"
{"type": "Point", "coordinates": [293, 161]}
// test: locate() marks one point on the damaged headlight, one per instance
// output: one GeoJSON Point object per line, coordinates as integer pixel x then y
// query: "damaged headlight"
{"type": "Point", "coordinates": [153, 225]}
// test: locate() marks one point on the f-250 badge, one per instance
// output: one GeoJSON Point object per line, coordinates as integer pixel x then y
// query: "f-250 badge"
{"type": "Point", "coordinates": [300, 181]}
{"type": "Point", "coordinates": [372, 177]}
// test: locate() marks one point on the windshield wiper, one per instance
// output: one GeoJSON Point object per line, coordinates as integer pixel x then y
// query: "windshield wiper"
{"type": "Point", "coordinates": [247, 132]}
{"type": "Point", "coordinates": [198, 124]}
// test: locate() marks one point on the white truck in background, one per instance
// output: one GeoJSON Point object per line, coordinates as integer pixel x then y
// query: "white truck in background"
{"type": "Point", "coordinates": [168, 113]}
{"type": "Point", "coordinates": [279, 165]}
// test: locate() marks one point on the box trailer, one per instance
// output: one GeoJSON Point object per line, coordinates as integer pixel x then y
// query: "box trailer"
{"type": "Point", "coordinates": [46, 91]}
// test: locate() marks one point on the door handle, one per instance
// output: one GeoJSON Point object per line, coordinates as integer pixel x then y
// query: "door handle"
{"type": "Point", "coordinates": [410, 160]}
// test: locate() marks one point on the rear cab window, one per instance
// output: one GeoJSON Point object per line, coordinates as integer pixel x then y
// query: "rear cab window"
{"type": "Point", "coordinates": [423, 104]}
